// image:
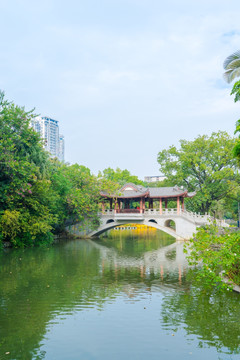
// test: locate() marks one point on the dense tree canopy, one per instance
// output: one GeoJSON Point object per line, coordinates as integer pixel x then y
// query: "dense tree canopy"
{"type": "Point", "coordinates": [218, 254]}
{"type": "Point", "coordinates": [205, 165]}
{"type": "Point", "coordinates": [120, 176]}
{"type": "Point", "coordinates": [38, 195]}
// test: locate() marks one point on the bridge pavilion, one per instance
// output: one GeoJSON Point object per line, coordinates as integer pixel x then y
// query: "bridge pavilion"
{"type": "Point", "coordinates": [133, 198]}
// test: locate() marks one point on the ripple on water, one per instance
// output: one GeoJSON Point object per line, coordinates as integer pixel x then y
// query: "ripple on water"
{"type": "Point", "coordinates": [87, 300]}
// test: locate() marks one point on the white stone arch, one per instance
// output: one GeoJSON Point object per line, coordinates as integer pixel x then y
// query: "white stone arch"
{"type": "Point", "coordinates": [107, 226]}
{"type": "Point", "coordinates": [167, 223]}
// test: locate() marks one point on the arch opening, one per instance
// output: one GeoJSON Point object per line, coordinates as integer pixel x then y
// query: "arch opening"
{"type": "Point", "coordinates": [153, 221]}
{"type": "Point", "coordinates": [170, 224]}
{"type": "Point", "coordinates": [109, 221]}
{"type": "Point", "coordinates": [167, 227]}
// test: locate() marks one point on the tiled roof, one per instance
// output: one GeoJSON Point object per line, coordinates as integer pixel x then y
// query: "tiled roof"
{"type": "Point", "coordinates": [136, 191]}
{"type": "Point", "coordinates": [167, 192]}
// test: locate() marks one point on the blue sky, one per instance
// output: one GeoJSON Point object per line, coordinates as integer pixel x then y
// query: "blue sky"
{"type": "Point", "coordinates": [125, 78]}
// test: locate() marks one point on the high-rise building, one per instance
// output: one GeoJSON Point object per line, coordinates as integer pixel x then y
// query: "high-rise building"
{"type": "Point", "coordinates": [61, 148]}
{"type": "Point", "coordinates": [49, 131]}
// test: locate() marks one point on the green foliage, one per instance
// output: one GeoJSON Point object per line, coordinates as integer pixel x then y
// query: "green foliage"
{"type": "Point", "coordinates": [163, 183]}
{"type": "Point", "coordinates": [204, 165]}
{"type": "Point", "coordinates": [236, 91]}
{"type": "Point", "coordinates": [232, 66]}
{"type": "Point", "coordinates": [120, 176]}
{"type": "Point", "coordinates": [215, 255]}
{"type": "Point", "coordinates": [25, 216]}
{"type": "Point", "coordinates": [83, 193]}
{"type": "Point", "coordinates": [236, 149]}
{"type": "Point", "coordinates": [38, 195]}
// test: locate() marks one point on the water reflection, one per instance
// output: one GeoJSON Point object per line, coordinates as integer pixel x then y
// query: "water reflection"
{"type": "Point", "coordinates": [212, 317]}
{"type": "Point", "coordinates": [42, 288]}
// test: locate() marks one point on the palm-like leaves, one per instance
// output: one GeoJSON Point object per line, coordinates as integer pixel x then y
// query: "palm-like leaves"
{"type": "Point", "coordinates": [232, 66]}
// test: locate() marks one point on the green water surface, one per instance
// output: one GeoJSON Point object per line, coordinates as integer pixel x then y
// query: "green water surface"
{"type": "Point", "coordinates": [125, 296]}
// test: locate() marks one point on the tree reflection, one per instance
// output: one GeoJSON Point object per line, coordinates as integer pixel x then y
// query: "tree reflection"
{"type": "Point", "coordinates": [212, 317]}
{"type": "Point", "coordinates": [37, 285]}
{"type": "Point", "coordinates": [41, 285]}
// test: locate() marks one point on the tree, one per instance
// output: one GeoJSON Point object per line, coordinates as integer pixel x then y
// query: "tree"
{"type": "Point", "coordinates": [39, 195]}
{"type": "Point", "coordinates": [218, 253]}
{"type": "Point", "coordinates": [25, 217]}
{"type": "Point", "coordinates": [232, 66]}
{"type": "Point", "coordinates": [120, 176]}
{"type": "Point", "coordinates": [236, 91]}
{"type": "Point", "coordinates": [204, 165]}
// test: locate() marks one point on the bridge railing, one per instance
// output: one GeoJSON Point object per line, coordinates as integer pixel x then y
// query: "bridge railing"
{"type": "Point", "coordinates": [157, 212]}
{"type": "Point", "coordinates": [108, 212]}
{"type": "Point", "coordinates": [181, 212]}
{"type": "Point", "coordinates": [202, 219]}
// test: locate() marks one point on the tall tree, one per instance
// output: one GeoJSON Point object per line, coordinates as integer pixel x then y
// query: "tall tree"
{"type": "Point", "coordinates": [232, 66]}
{"type": "Point", "coordinates": [24, 212]}
{"type": "Point", "coordinates": [120, 176]}
{"type": "Point", "coordinates": [38, 195]}
{"type": "Point", "coordinates": [204, 165]}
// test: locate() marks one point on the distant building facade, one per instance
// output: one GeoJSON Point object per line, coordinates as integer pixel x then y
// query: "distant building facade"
{"type": "Point", "coordinates": [49, 131]}
{"type": "Point", "coordinates": [151, 179]}
{"type": "Point", "coordinates": [61, 148]}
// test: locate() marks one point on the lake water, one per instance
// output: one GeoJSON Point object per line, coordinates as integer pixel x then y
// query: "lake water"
{"type": "Point", "coordinates": [125, 296]}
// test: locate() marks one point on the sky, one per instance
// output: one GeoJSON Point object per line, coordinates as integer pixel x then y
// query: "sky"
{"type": "Point", "coordinates": [125, 78]}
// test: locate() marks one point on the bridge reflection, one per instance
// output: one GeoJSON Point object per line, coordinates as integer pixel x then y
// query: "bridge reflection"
{"type": "Point", "coordinates": [163, 261]}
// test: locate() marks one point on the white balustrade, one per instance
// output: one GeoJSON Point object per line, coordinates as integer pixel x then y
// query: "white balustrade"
{"type": "Point", "coordinates": [204, 219]}
{"type": "Point", "coordinates": [108, 212]}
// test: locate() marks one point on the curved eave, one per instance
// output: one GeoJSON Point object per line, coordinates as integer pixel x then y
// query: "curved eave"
{"type": "Point", "coordinates": [192, 194]}
{"type": "Point", "coordinates": [144, 195]}
{"type": "Point", "coordinates": [183, 194]}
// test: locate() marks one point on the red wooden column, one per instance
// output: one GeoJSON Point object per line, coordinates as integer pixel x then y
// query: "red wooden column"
{"type": "Point", "coordinates": [183, 203]}
{"type": "Point", "coordinates": [103, 207]}
{"type": "Point", "coordinates": [178, 205]}
{"type": "Point", "coordinates": [160, 206]}
{"type": "Point", "coordinates": [141, 205]}
{"type": "Point", "coordinates": [166, 200]}
{"type": "Point", "coordinates": [115, 206]}
{"type": "Point", "coordinates": [144, 205]}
